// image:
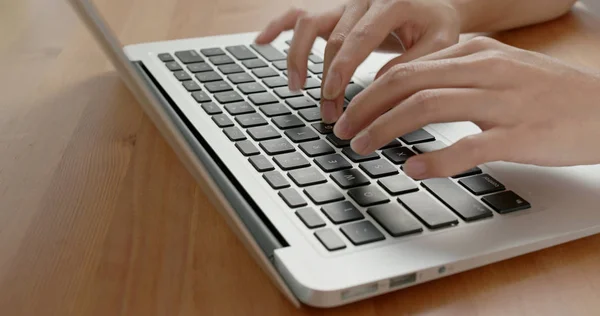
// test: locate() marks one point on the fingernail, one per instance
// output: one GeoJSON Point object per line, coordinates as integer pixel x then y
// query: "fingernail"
{"type": "Point", "coordinates": [415, 169]}
{"type": "Point", "coordinates": [328, 112]}
{"type": "Point", "coordinates": [342, 127]}
{"type": "Point", "coordinates": [362, 141]}
{"type": "Point", "coordinates": [332, 86]}
{"type": "Point", "coordinates": [294, 83]}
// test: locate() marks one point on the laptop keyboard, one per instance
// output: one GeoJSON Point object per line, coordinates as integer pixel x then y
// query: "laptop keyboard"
{"type": "Point", "coordinates": [244, 90]}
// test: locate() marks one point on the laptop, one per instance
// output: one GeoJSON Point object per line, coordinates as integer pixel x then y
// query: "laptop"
{"type": "Point", "coordinates": [328, 226]}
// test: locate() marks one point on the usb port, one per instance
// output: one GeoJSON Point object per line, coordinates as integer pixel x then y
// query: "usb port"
{"type": "Point", "coordinates": [403, 280]}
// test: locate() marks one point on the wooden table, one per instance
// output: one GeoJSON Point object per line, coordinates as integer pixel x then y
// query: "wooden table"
{"type": "Point", "coordinates": [98, 217]}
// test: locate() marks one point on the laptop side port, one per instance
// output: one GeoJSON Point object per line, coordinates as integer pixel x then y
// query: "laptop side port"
{"type": "Point", "coordinates": [403, 280]}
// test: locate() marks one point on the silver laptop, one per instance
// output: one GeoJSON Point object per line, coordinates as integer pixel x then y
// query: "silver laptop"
{"type": "Point", "coordinates": [329, 226]}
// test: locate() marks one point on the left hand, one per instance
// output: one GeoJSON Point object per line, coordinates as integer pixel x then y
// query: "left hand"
{"type": "Point", "coordinates": [532, 109]}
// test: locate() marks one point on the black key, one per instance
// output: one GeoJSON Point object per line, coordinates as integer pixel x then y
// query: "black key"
{"type": "Point", "coordinates": [261, 163]}
{"type": "Point", "coordinates": [316, 148]}
{"type": "Point", "coordinates": [263, 98]}
{"type": "Point", "coordinates": [165, 57]}
{"type": "Point", "coordinates": [251, 87]}
{"type": "Point", "coordinates": [315, 93]}
{"type": "Point", "coordinates": [247, 148]}
{"type": "Point", "coordinates": [337, 142]}
{"type": "Point", "coordinates": [263, 133]}
{"type": "Point", "coordinates": [231, 69]}
{"type": "Point", "coordinates": [395, 220]}
{"type": "Point", "coordinates": [310, 218]}
{"type": "Point", "coordinates": [392, 144]}
{"type": "Point", "coordinates": [482, 184]}
{"type": "Point", "coordinates": [221, 60]}
{"type": "Point", "coordinates": [275, 82]}
{"type": "Point", "coordinates": [433, 214]}
{"type": "Point", "coordinates": [222, 120]}
{"type": "Point", "coordinates": [280, 65]}
{"type": "Point", "coordinates": [307, 176]}
{"type": "Point", "coordinates": [378, 168]}
{"type": "Point", "coordinates": [199, 67]}
{"type": "Point", "coordinates": [352, 90]}
{"type": "Point", "coordinates": [506, 202]}
{"type": "Point", "coordinates": [239, 108]}
{"type": "Point", "coordinates": [211, 108]}
{"type": "Point", "coordinates": [323, 128]}
{"type": "Point", "coordinates": [217, 86]}
{"type": "Point", "coordinates": [254, 63]}
{"type": "Point", "coordinates": [209, 52]}
{"type": "Point", "coordinates": [398, 155]}
{"type": "Point", "coordinates": [468, 173]}
{"type": "Point", "coordinates": [189, 56]}
{"type": "Point", "coordinates": [277, 146]}
{"type": "Point", "coordinates": [292, 198]}
{"type": "Point", "coordinates": [276, 180]}
{"type": "Point", "coordinates": [362, 233]}
{"type": "Point", "coordinates": [457, 199]}
{"type": "Point", "coordinates": [291, 161]}
{"type": "Point", "coordinates": [351, 178]}
{"type": "Point", "coordinates": [241, 52]}
{"type": "Point", "coordinates": [288, 121]}
{"type": "Point", "coordinates": [251, 120]}
{"type": "Point", "coordinates": [173, 66]}
{"type": "Point", "coordinates": [358, 158]}
{"type": "Point", "coordinates": [429, 147]}
{"type": "Point", "coordinates": [398, 184]}
{"type": "Point", "coordinates": [330, 239]}
{"type": "Point", "coordinates": [312, 83]}
{"type": "Point", "coordinates": [228, 97]}
{"type": "Point", "coordinates": [331, 163]}
{"type": "Point", "coordinates": [191, 86]}
{"type": "Point", "coordinates": [300, 103]}
{"type": "Point", "coordinates": [316, 69]}
{"type": "Point", "coordinates": [301, 134]}
{"type": "Point", "coordinates": [181, 75]}
{"type": "Point", "coordinates": [284, 93]}
{"type": "Point", "coordinates": [368, 196]}
{"type": "Point", "coordinates": [323, 194]}
{"type": "Point", "coordinates": [264, 72]}
{"type": "Point", "coordinates": [311, 115]}
{"type": "Point", "coordinates": [269, 52]}
{"type": "Point", "coordinates": [240, 78]}
{"type": "Point", "coordinates": [275, 109]}
{"type": "Point", "coordinates": [234, 134]}
{"type": "Point", "coordinates": [201, 97]}
{"type": "Point", "coordinates": [315, 59]}
{"type": "Point", "coordinates": [418, 136]}
{"type": "Point", "coordinates": [208, 76]}
{"type": "Point", "coordinates": [342, 212]}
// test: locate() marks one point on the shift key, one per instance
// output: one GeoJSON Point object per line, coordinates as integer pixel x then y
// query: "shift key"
{"type": "Point", "coordinates": [457, 199]}
{"type": "Point", "coordinates": [433, 214]}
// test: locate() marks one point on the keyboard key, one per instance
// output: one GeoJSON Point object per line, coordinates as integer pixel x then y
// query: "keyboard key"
{"type": "Point", "coordinates": [239, 108]}
{"type": "Point", "coordinates": [330, 240]}
{"type": "Point", "coordinates": [199, 67]}
{"type": "Point", "coordinates": [506, 202]}
{"type": "Point", "coordinates": [307, 176]}
{"type": "Point", "coordinates": [315, 59]}
{"type": "Point", "coordinates": [482, 184]}
{"type": "Point", "coordinates": [181, 75]}
{"type": "Point", "coordinates": [263, 98]}
{"type": "Point", "coordinates": [250, 120]}
{"type": "Point", "coordinates": [275, 82]}
{"type": "Point", "coordinates": [310, 218]}
{"type": "Point", "coordinates": [276, 180]}
{"type": "Point", "coordinates": [378, 168]}
{"type": "Point", "coordinates": [323, 194]}
{"type": "Point", "coordinates": [251, 87]}
{"type": "Point", "coordinates": [281, 65]}
{"type": "Point", "coordinates": [351, 178]}
{"type": "Point", "coordinates": [240, 78]}
{"type": "Point", "coordinates": [395, 220]}
{"type": "Point", "coordinates": [211, 108]}
{"type": "Point", "coordinates": [300, 103]}
{"type": "Point", "coordinates": [312, 83]}
{"type": "Point", "coordinates": [284, 93]}
{"type": "Point", "coordinates": [173, 66]}
{"type": "Point", "coordinates": [392, 144]}
{"type": "Point", "coordinates": [217, 86]}
{"type": "Point", "coordinates": [247, 148]}
{"type": "Point", "coordinates": [292, 198]}
{"type": "Point", "coordinates": [165, 57]}
{"type": "Point", "coordinates": [209, 52]}
{"type": "Point", "coordinates": [352, 90]}
{"type": "Point", "coordinates": [261, 163]}
{"type": "Point", "coordinates": [254, 63]}
{"type": "Point", "coordinates": [269, 52]}
{"type": "Point", "coordinates": [189, 56]}
{"type": "Point", "coordinates": [429, 147]}
{"type": "Point", "coordinates": [342, 212]}
{"type": "Point", "coordinates": [315, 93]}
{"type": "Point", "coordinates": [241, 52]}
{"type": "Point", "coordinates": [201, 97]}
{"type": "Point", "coordinates": [288, 121]}
{"type": "Point", "coordinates": [311, 115]}
{"type": "Point", "coordinates": [277, 146]}
{"type": "Point", "coordinates": [368, 196]}
{"type": "Point", "coordinates": [468, 173]}
{"type": "Point", "coordinates": [418, 136]}
{"type": "Point", "coordinates": [457, 199]}
{"type": "Point", "coordinates": [337, 142]}
{"type": "Point", "coordinates": [191, 86]}
{"type": "Point", "coordinates": [316, 148]}
{"type": "Point", "coordinates": [433, 214]}
{"type": "Point", "coordinates": [362, 233]}
{"type": "Point", "coordinates": [323, 128]}
{"type": "Point", "coordinates": [275, 109]}
{"type": "Point", "coordinates": [398, 155]}
{"type": "Point", "coordinates": [264, 72]}
{"type": "Point", "coordinates": [398, 184]}
{"type": "Point", "coordinates": [221, 60]}
{"type": "Point", "coordinates": [234, 134]}
{"type": "Point", "coordinates": [263, 133]}
{"type": "Point", "coordinates": [231, 69]}
{"type": "Point", "coordinates": [301, 134]}
{"type": "Point", "coordinates": [291, 161]}
{"type": "Point", "coordinates": [208, 76]}
{"type": "Point", "coordinates": [358, 158]}
{"type": "Point", "coordinates": [331, 163]}
{"type": "Point", "coordinates": [228, 97]}
{"type": "Point", "coordinates": [316, 69]}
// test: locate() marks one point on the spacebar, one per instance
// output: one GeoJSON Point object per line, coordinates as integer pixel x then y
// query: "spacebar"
{"type": "Point", "coordinates": [457, 199]}
{"type": "Point", "coordinates": [269, 52]}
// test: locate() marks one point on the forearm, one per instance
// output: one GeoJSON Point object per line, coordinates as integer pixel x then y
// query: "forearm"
{"type": "Point", "coordinates": [497, 15]}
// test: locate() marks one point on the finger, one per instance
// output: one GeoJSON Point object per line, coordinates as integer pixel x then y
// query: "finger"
{"type": "Point", "coordinates": [467, 153]}
{"type": "Point", "coordinates": [285, 22]}
{"type": "Point", "coordinates": [424, 108]}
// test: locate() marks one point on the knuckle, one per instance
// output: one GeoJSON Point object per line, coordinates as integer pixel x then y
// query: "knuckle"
{"type": "Point", "coordinates": [425, 102]}
{"type": "Point", "coordinates": [296, 11]}
{"type": "Point", "coordinates": [473, 149]}
{"type": "Point", "coordinates": [399, 73]}
{"type": "Point", "coordinates": [361, 33]}
{"type": "Point", "coordinates": [335, 41]}
{"type": "Point", "coordinates": [305, 20]}
{"type": "Point", "coordinates": [481, 43]}
{"type": "Point", "coordinates": [444, 40]}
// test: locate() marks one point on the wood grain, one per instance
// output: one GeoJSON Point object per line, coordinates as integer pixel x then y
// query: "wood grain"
{"type": "Point", "coordinates": [98, 217]}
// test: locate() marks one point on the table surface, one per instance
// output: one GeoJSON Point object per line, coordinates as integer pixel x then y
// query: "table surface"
{"type": "Point", "coordinates": [98, 217]}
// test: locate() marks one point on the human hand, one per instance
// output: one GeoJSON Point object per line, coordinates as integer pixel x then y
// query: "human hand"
{"type": "Point", "coordinates": [415, 27]}
{"type": "Point", "coordinates": [531, 108]}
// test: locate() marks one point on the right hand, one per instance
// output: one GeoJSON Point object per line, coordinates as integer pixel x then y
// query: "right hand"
{"type": "Point", "coordinates": [413, 27]}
